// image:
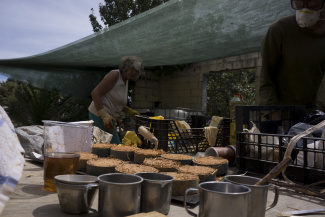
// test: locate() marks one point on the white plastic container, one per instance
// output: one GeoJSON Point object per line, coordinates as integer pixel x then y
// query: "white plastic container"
{"type": "Point", "coordinates": [67, 136]}
{"type": "Point", "coordinates": [61, 139]}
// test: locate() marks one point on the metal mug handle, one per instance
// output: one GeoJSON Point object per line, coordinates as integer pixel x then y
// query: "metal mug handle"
{"type": "Point", "coordinates": [276, 197]}
{"type": "Point", "coordinates": [185, 199]}
{"type": "Point", "coordinates": [90, 185]}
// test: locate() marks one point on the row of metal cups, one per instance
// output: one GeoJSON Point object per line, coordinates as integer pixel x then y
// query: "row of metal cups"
{"type": "Point", "coordinates": [236, 195]}
{"type": "Point", "coordinates": [119, 194]}
{"type": "Point", "coordinates": [124, 194]}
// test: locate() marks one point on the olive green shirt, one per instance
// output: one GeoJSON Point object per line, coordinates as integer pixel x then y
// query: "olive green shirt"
{"type": "Point", "coordinates": [293, 64]}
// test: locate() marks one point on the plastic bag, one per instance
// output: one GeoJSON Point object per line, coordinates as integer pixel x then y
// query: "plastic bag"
{"type": "Point", "coordinates": [306, 123]}
{"type": "Point", "coordinates": [314, 118]}
{"type": "Point", "coordinates": [299, 128]}
{"type": "Point", "coordinates": [267, 153]}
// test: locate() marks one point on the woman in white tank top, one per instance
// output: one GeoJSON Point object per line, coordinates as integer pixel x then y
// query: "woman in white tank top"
{"type": "Point", "coordinates": [110, 96]}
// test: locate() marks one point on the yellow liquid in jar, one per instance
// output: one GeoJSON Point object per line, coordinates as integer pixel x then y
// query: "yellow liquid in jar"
{"type": "Point", "coordinates": [58, 164]}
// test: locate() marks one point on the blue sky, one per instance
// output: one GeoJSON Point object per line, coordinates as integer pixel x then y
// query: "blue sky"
{"type": "Point", "coordinates": [29, 27]}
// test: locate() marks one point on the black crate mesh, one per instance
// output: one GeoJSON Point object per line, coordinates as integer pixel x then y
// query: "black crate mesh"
{"type": "Point", "coordinates": [171, 138]}
{"type": "Point", "coordinates": [259, 153]}
{"type": "Point", "coordinates": [223, 136]}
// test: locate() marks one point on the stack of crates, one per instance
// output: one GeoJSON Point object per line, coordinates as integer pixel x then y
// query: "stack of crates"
{"type": "Point", "coordinates": [223, 136]}
{"type": "Point", "coordinates": [171, 139]}
{"type": "Point", "coordinates": [258, 154]}
{"type": "Point", "coordinates": [200, 121]}
{"type": "Point", "coordinates": [174, 140]}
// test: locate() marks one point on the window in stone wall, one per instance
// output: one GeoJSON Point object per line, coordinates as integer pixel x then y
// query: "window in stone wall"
{"type": "Point", "coordinates": [221, 86]}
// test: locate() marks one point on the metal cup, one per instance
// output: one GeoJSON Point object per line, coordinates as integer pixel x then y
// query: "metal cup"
{"type": "Point", "coordinates": [258, 198]}
{"type": "Point", "coordinates": [75, 198]}
{"type": "Point", "coordinates": [221, 199]}
{"type": "Point", "coordinates": [119, 194]}
{"type": "Point", "coordinates": [156, 192]}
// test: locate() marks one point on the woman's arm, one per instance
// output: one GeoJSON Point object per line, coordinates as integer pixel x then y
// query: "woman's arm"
{"type": "Point", "coordinates": [103, 87]}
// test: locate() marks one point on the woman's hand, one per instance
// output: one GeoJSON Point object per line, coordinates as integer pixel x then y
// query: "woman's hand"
{"type": "Point", "coordinates": [107, 119]}
{"type": "Point", "coordinates": [132, 112]}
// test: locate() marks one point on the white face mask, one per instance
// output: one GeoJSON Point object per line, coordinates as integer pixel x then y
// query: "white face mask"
{"type": "Point", "coordinates": [307, 18]}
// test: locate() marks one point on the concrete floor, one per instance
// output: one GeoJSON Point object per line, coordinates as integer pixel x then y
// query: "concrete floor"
{"type": "Point", "coordinates": [29, 200]}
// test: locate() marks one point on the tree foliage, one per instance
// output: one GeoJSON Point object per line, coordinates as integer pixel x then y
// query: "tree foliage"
{"type": "Point", "coordinates": [116, 11]}
{"type": "Point", "coordinates": [94, 23]}
{"type": "Point", "coordinates": [27, 105]}
{"type": "Point", "coordinates": [222, 86]}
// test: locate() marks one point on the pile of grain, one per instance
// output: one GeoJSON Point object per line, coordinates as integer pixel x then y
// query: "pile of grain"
{"type": "Point", "coordinates": [135, 168]}
{"type": "Point", "coordinates": [123, 152]}
{"type": "Point", "coordinates": [124, 148]}
{"type": "Point", "coordinates": [101, 166]}
{"type": "Point", "coordinates": [178, 156]}
{"type": "Point", "coordinates": [141, 154]}
{"type": "Point", "coordinates": [102, 149]}
{"type": "Point", "coordinates": [215, 162]}
{"type": "Point", "coordinates": [183, 181]}
{"type": "Point", "coordinates": [210, 160]}
{"type": "Point", "coordinates": [196, 170]}
{"type": "Point", "coordinates": [84, 157]}
{"type": "Point", "coordinates": [103, 145]}
{"type": "Point", "coordinates": [182, 158]}
{"type": "Point", "coordinates": [163, 165]}
{"type": "Point", "coordinates": [105, 162]}
{"type": "Point", "coordinates": [205, 173]}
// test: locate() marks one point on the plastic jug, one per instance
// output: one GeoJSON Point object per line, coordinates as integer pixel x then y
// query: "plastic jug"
{"type": "Point", "coordinates": [237, 100]}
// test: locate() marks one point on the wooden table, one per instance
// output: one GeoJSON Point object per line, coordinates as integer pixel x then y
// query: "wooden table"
{"type": "Point", "coordinates": [29, 200]}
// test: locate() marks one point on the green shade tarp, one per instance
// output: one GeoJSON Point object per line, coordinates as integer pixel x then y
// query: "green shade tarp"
{"type": "Point", "coordinates": [177, 32]}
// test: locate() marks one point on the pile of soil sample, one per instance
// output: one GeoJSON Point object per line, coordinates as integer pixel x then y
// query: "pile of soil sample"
{"type": "Point", "coordinates": [135, 168]}
{"type": "Point", "coordinates": [182, 158]}
{"type": "Point", "coordinates": [205, 174]}
{"type": "Point", "coordinates": [215, 162]}
{"type": "Point", "coordinates": [183, 181]}
{"type": "Point", "coordinates": [141, 154]}
{"type": "Point", "coordinates": [162, 164]}
{"type": "Point", "coordinates": [123, 152]}
{"type": "Point", "coordinates": [84, 157]}
{"type": "Point", "coordinates": [102, 149]}
{"type": "Point", "coordinates": [101, 166]}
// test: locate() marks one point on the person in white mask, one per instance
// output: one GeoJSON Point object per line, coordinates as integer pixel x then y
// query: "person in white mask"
{"type": "Point", "coordinates": [293, 57]}
{"type": "Point", "coordinates": [110, 96]}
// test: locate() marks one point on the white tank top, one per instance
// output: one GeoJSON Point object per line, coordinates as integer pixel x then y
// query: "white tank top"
{"type": "Point", "coordinates": [114, 100]}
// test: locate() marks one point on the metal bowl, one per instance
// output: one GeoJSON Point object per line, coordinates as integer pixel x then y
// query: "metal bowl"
{"type": "Point", "coordinates": [76, 179]}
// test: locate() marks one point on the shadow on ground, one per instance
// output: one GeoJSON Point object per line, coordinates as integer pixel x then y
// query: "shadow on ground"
{"type": "Point", "coordinates": [55, 210]}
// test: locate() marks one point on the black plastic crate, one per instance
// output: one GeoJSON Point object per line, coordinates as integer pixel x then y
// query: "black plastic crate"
{"type": "Point", "coordinates": [268, 118]}
{"type": "Point", "coordinates": [257, 155]}
{"type": "Point", "coordinates": [198, 121]}
{"type": "Point", "coordinates": [223, 136]}
{"type": "Point", "coordinates": [172, 139]}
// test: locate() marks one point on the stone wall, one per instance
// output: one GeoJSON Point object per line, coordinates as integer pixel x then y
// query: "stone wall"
{"type": "Point", "coordinates": [187, 88]}
{"type": "Point", "coordinates": [146, 91]}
